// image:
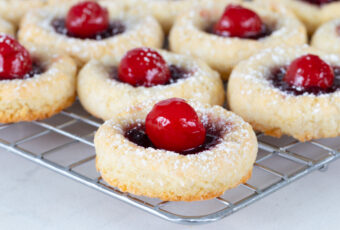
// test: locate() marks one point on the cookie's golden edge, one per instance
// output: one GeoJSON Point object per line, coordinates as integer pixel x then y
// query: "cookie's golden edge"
{"type": "Point", "coordinates": [169, 196]}
{"type": "Point", "coordinates": [41, 96]}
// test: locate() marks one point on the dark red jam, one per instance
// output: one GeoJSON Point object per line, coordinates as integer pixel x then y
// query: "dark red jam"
{"type": "Point", "coordinates": [319, 2]}
{"type": "Point", "coordinates": [277, 75]}
{"type": "Point", "coordinates": [115, 28]}
{"type": "Point", "coordinates": [265, 32]}
{"type": "Point", "coordinates": [37, 68]}
{"type": "Point", "coordinates": [176, 72]}
{"type": "Point", "coordinates": [136, 134]}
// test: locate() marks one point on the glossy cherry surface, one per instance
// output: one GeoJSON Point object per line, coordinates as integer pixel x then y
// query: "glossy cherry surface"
{"type": "Point", "coordinates": [238, 21]}
{"type": "Point", "coordinates": [136, 134]}
{"type": "Point", "coordinates": [309, 71]}
{"type": "Point", "coordinates": [15, 60]}
{"type": "Point", "coordinates": [174, 125]}
{"type": "Point", "coordinates": [86, 19]}
{"type": "Point", "coordinates": [143, 67]}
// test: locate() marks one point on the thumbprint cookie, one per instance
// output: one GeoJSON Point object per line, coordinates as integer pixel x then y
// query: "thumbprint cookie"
{"type": "Point", "coordinates": [224, 38]}
{"type": "Point", "coordinates": [293, 91]}
{"type": "Point", "coordinates": [176, 150]}
{"type": "Point", "coordinates": [106, 90]}
{"type": "Point", "coordinates": [327, 37]}
{"type": "Point", "coordinates": [14, 10]}
{"type": "Point", "coordinates": [32, 86]}
{"type": "Point", "coordinates": [88, 30]}
{"type": "Point", "coordinates": [312, 13]}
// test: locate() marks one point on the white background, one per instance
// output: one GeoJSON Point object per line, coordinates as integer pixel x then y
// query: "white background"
{"type": "Point", "coordinates": [32, 197]}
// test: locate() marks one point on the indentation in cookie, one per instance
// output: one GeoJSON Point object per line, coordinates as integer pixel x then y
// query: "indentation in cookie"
{"type": "Point", "coordinates": [319, 2]}
{"type": "Point", "coordinates": [177, 73]}
{"type": "Point", "coordinates": [277, 75]}
{"type": "Point", "coordinates": [37, 68]}
{"type": "Point", "coordinates": [115, 28]}
{"type": "Point", "coordinates": [136, 134]}
{"type": "Point", "coordinates": [240, 22]}
{"type": "Point", "coordinates": [265, 32]}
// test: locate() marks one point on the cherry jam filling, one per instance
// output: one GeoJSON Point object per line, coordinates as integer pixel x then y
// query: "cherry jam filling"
{"type": "Point", "coordinates": [136, 134]}
{"type": "Point", "coordinates": [37, 68]}
{"type": "Point", "coordinates": [176, 72]}
{"type": "Point", "coordinates": [265, 32]}
{"type": "Point", "coordinates": [277, 75]}
{"type": "Point", "coordinates": [115, 28]}
{"type": "Point", "coordinates": [319, 2]}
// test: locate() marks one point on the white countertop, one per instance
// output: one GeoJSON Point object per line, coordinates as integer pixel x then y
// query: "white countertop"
{"type": "Point", "coordinates": [32, 197]}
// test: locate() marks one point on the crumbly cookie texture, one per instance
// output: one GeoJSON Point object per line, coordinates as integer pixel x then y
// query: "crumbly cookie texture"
{"type": "Point", "coordinates": [276, 112]}
{"type": "Point", "coordinates": [327, 37]}
{"type": "Point", "coordinates": [311, 15]}
{"type": "Point", "coordinates": [168, 175]}
{"type": "Point", "coordinates": [14, 10]}
{"type": "Point", "coordinates": [36, 33]}
{"type": "Point", "coordinates": [105, 97]}
{"type": "Point", "coordinates": [6, 27]}
{"type": "Point", "coordinates": [41, 96]}
{"type": "Point", "coordinates": [188, 36]}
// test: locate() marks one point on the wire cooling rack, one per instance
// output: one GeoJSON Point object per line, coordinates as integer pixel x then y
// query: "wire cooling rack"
{"type": "Point", "coordinates": [64, 144]}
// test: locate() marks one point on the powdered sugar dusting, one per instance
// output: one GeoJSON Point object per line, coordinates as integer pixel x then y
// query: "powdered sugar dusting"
{"type": "Point", "coordinates": [235, 137]}
{"type": "Point", "coordinates": [139, 31]}
{"type": "Point", "coordinates": [192, 25]}
{"type": "Point", "coordinates": [258, 68]}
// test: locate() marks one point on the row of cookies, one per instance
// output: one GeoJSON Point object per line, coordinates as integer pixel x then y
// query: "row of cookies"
{"type": "Point", "coordinates": [206, 136]}
{"type": "Point", "coordinates": [216, 148]}
{"type": "Point", "coordinates": [312, 13]}
{"type": "Point", "coordinates": [190, 31]}
{"type": "Point", "coordinates": [101, 83]}
{"type": "Point", "coordinates": [280, 90]}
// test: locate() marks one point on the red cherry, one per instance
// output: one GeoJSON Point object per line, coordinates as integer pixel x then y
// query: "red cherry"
{"type": "Point", "coordinates": [174, 125]}
{"type": "Point", "coordinates": [15, 60]}
{"type": "Point", "coordinates": [143, 67]}
{"type": "Point", "coordinates": [238, 21]}
{"type": "Point", "coordinates": [86, 19]}
{"type": "Point", "coordinates": [309, 71]}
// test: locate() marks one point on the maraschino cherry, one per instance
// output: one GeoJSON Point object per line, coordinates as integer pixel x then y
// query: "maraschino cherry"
{"type": "Point", "coordinates": [238, 21]}
{"type": "Point", "coordinates": [15, 60]}
{"type": "Point", "coordinates": [143, 67]}
{"type": "Point", "coordinates": [309, 71]}
{"type": "Point", "coordinates": [174, 125]}
{"type": "Point", "coordinates": [87, 19]}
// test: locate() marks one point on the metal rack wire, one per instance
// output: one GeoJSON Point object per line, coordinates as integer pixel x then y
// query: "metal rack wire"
{"type": "Point", "coordinates": [66, 146]}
